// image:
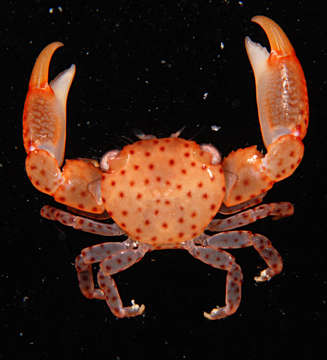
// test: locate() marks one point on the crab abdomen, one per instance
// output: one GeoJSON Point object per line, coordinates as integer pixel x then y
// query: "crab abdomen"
{"type": "Point", "coordinates": [163, 191]}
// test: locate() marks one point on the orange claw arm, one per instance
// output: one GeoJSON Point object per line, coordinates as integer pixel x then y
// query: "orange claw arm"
{"type": "Point", "coordinates": [283, 110]}
{"type": "Point", "coordinates": [280, 84]}
{"type": "Point", "coordinates": [44, 119]}
{"type": "Point", "coordinates": [44, 134]}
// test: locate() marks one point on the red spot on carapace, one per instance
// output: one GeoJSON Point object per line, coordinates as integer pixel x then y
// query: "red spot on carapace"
{"type": "Point", "coordinates": [151, 166]}
{"type": "Point", "coordinates": [121, 194]}
{"type": "Point", "coordinates": [162, 148]}
{"type": "Point", "coordinates": [113, 183]}
{"type": "Point", "coordinates": [136, 167]}
{"type": "Point", "coordinates": [147, 153]}
{"type": "Point", "coordinates": [164, 225]}
{"type": "Point", "coordinates": [171, 162]}
{"type": "Point", "coordinates": [138, 196]}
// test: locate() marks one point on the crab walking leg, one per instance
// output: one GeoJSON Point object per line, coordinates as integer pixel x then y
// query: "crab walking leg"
{"type": "Point", "coordinates": [44, 134]}
{"type": "Point", "coordinates": [277, 210]}
{"type": "Point", "coordinates": [80, 223]}
{"type": "Point", "coordinates": [92, 255]}
{"type": "Point", "coordinates": [240, 239]}
{"type": "Point", "coordinates": [113, 264]}
{"type": "Point", "coordinates": [221, 260]}
{"type": "Point", "coordinates": [89, 256]}
{"type": "Point", "coordinates": [283, 110]}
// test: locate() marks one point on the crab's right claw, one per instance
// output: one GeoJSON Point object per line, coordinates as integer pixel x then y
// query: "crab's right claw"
{"type": "Point", "coordinates": [280, 84]}
{"type": "Point", "coordinates": [283, 109]}
{"type": "Point", "coordinates": [282, 100]}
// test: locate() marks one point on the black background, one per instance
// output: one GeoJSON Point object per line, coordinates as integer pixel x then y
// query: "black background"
{"type": "Point", "coordinates": [159, 66]}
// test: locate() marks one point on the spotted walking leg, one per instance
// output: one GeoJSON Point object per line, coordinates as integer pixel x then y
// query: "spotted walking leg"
{"type": "Point", "coordinates": [113, 264]}
{"type": "Point", "coordinates": [113, 258]}
{"type": "Point", "coordinates": [221, 260]}
{"type": "Point", "coordinates": [276, 210]}
{"type": "Point", "coordinates": [92, 255]}
{"type": "Point", "coordinates": [80, 223]}
{"type": "Point", "coordinates": [239, 239]}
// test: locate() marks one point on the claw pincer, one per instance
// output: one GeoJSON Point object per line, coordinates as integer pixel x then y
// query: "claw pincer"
{"type": "Point", "coordinates": [44, 134]}
{"type": "Point", "coordinates": [283, 109]}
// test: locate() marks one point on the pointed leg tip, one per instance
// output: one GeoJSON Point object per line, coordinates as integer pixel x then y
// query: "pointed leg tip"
{"type": "Point", "coordinates": [215, 314]}
{"type": "Point", "coordinates": [131, 311]}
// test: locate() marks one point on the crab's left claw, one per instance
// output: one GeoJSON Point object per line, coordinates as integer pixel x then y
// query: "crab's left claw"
{"type": "Point", "coordinates": [283, 109]}
{"type": "Point", "coordinates": [44, 121]}
{"type": "Point", "coordinates": [44, 133]}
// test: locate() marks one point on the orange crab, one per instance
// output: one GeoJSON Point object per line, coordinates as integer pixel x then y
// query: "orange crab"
{"type": "Point", "coordinates": [165, 193]}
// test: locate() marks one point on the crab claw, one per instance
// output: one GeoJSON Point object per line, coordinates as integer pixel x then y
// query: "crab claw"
{"type": "Point", "coordinates": [44, 134]}
{"type": "Point", "coordinates": [280, 84]}
{"type": "Point", "coordinates": [283, 109]}
{"type": "Point", "coordinates": [44, 119]}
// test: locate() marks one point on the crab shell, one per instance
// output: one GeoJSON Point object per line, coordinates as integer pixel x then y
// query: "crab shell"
{"type": "Point", "coordinates": [163, 191]}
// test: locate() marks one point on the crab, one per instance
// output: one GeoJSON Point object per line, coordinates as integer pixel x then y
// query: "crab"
{"type": "Point", "coordinates": [164, 193]}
